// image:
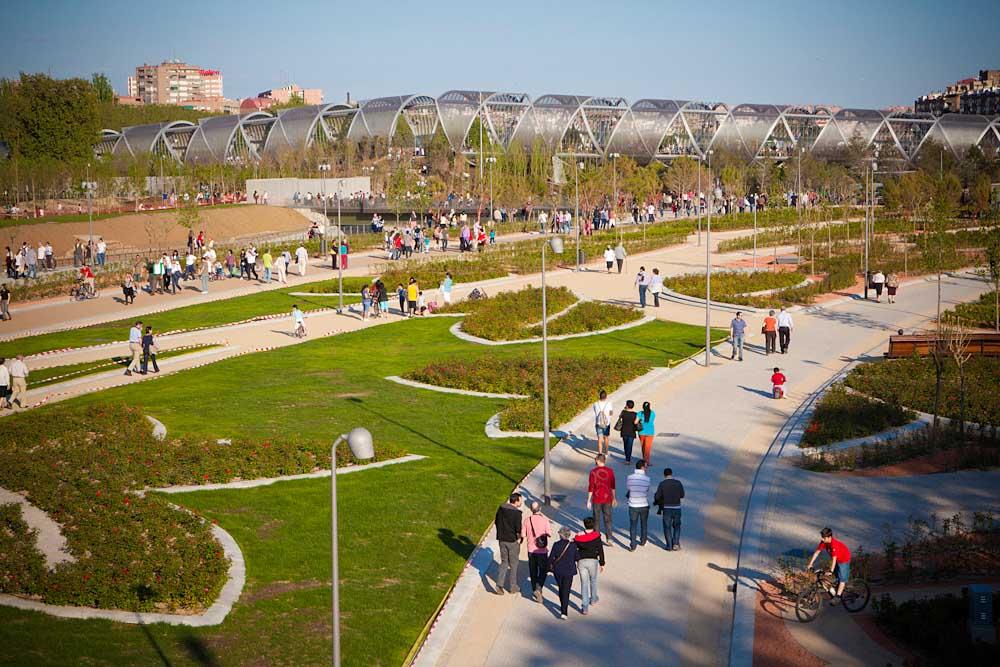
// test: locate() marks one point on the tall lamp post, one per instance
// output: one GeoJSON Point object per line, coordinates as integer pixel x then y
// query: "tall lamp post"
{"type": "Point", "coordinates": [614, 186]}
{"type": "Point", "coordinates": [697, 197]}
{"type": "Point", "coordinates": [360, 442]}
{"type": "Point", "coordinates": [340, 247]}
{"type": "Point", "coordinates": [576, 173]}
{"type": "Point", "coordinates": [491, 159]}
{"type": "Point", "coordinates": [754, 204]}
{"type": "Point", "coordinates": [556, 245]}
{"type": "Point", "coordinates": [90, 186]}
{"type": "Point", "coordinates": [324, 168]}
{"type": "Point", "coordinates": [708, 269]}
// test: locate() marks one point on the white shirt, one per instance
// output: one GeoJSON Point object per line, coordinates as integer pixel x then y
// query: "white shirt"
{"type": "Point", "coordinates": [18, 369]}
{"type": "Point", "coordinates": [609, 255]}
{"type": "Point", "coordinates": [189, 260]}
{"type": "Point", "coordinates": [298, 316]}
{"type": "Point", "coordinates": [4, 376]}
{"type": "Point", "coordinates": [102, 247]}
{"type": "Point", "coordinates": [638, 489]}
{"type": "Point", "coordinates": [604, 406]}
{"type": "Point", "coordinates": [656, 283]}
{"type": "Point", "coordinates": [301, 254]}
{"type": "Point", "coordinates": [878, 277]}
{"type": "Point", "coordinates": [785, 319]}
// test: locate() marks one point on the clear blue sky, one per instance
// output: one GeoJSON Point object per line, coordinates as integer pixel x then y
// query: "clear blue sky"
{"type": "Point", "coordinates": [848, 52]}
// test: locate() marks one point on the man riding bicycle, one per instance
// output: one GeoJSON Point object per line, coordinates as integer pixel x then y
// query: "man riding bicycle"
{"type": "Point", "coordinates": [840, 562]}
{"type": "Point", "coordinates": [87, 276]}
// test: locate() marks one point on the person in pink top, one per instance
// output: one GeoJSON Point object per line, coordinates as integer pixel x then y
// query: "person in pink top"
{"type": "Point", "coordinates": [537, 531]}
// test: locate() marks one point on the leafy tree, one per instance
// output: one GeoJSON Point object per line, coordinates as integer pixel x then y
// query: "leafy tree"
{"type": "Point", "coordinates": [979, 195]}
{"type": "Point", "coordinates": [102, 88]}
{"type": "Point", "coordinates": [48, 118]}
{"type": "Point", "coordinates": [399, 187]}
{"type": "Point", "coordinates": [993, 266]}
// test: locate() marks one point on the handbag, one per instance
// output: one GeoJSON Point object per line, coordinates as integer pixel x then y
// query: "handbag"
{"type": "Point", "coordinates": [541, 541]}
{"type": "Point", "coordinates": [763, 330]}
{"type": "Point", "coordinates": [559, 558]}
{"type": "Point", "coordinates": [619, 423]}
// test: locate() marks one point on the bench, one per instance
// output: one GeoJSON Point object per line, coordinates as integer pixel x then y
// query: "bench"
{"type": "Point", "coordinates": [980, 344]}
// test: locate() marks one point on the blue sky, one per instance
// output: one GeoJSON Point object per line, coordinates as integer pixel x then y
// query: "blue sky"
{"type": "Point", "coordinates": [848, 53]}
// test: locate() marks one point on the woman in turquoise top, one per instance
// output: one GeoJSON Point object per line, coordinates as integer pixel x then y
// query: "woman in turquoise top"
{"type": "Point", "coordinates": [645, 423]}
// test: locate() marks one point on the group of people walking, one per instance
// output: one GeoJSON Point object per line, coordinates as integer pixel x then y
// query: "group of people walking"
{"type": "Point", "coordinates": [583, 552]}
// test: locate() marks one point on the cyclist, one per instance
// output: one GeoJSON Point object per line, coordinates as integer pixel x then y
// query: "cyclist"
{"type": "Point", "coordinates": [87, 276]}
{"type": "Point", "coordinates": [300, 324]}
{"type": "Point", "coordinates": [840, 562]}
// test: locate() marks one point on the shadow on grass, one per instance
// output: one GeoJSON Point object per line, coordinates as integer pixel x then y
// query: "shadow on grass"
{"type": "Point", "coordinates": [198, 650]}
{"type": "Point", "coordinates": [460, 544]}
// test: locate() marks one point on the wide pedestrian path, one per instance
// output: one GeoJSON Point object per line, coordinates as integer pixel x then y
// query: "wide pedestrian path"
{"type": "Point", "coordinates": [659, 607]}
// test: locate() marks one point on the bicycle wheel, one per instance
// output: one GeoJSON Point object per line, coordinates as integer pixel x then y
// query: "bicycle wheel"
{"type": "Point", "coordinates": [808, 603]}
{"type": "Point", "coordinates": [856, 595]}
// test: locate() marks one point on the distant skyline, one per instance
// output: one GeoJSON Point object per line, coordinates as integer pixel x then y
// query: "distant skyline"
{"type": "Point", "coordinates": [851, 53]}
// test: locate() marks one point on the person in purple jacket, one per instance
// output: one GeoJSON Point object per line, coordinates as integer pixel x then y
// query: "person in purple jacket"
{"type": "Point", "coordinates": [562, 565]}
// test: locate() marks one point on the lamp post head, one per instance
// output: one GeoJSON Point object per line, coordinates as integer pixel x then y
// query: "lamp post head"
{"type": "Point", "coordinates": [360, 442]}
{"type": "Point", "coordinates": [556, 244]}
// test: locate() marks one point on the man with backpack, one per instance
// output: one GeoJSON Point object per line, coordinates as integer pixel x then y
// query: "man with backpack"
{"type": "Point", "coordinates": [603, 411]}
{"type": "Point", "coordinates": [537, 531]}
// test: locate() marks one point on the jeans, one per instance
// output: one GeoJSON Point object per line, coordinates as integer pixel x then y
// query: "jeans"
{"type": "Point", "coordinates": [100, 258]}
{"type": "Point", "coordinates": [565, 589]}
{"type": "Point", "coordinates": [267, 274]}
{"type": "Point", "coordinates": [603, 509]}
{"type": "Point", "coordinates": [32, 270]}
{"type": "Point", "coordinates": [737, 347]}
{"type": "Point", "coordinates": [769, 338]}
{"type": "Point", "coordinates": [148, 356]}
{"type": "Point", "coordinates": [672, 526]}
{"type": "Point", "coordinates": [537, 570]}
{"type": "Point", "coordinates": [619, 262]}
{"type": "Point", "coordinates": [627, 441]}
{"type": "Point", "coordinates": [637, 515]}
{"type": "Point", "coordinates": [656, 299]}
{"type": "Point", "coordinates": [784, 337]}
{"type": "Point", "coordinates": [642, 295]}
{"type": "Point", "coordinates": [204, 282]}
{"type": "Point", "coordinates": [589, 567]}
{"type": "Point", "coordinates": [510, 552]}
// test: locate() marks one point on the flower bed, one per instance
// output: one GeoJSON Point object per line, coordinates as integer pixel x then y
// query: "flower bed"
{"type": "Point", "coordinates": [507, 315]}
{"type": "Point", "coordinates": [910, 382]}
{"type": "Point", "coordinates": [523, 375]}
{"type": "Point", "coordinates": [981, 313]}
{"type": "Point", "coordinates": [840, 415]}
{"type": "Point", "coordinates": [589, 316]}
{"type": "Point", "coordinates": [945, 450]}
{"type": "Point", "coordinates": [83, 464]}
{"type": "Point", "coordinates": [733, 286]}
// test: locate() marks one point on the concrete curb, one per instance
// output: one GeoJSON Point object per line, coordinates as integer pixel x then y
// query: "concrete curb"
{"type": "Point", "coordinates": [159, 428]}
{"type": "Point", "coordinates": [49, 538]}
{"type": "Point", "coordinates": [882, 437]}
{"type": "Point", "coordinates": [449, 390]}
{"type": "Point", "coordinates": [493, 430]}
{"type": "Point", "coordinates": [469, 338]}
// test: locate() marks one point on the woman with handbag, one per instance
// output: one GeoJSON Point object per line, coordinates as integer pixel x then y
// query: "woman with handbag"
{"type": "Point", "coordinates": [562, 565]}
{"type": "Point", "coordinates": [626, 427]}
{"type": "Point", "coordinates": [536, 531]}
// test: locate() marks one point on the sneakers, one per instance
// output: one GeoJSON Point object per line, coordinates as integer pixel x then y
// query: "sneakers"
{"type": "Point", "coordinates": [835, 601]}
{"type": "Point", "coordinates": [500, 590]}
{"type": "Point", "coordinates": [676, 547]}
{"type": "Point", "coordinates": [537, 596]}
{"type": "Point", "coordinates": [128, 372]}
{"type": "Point", "coordinates": [563, 617]}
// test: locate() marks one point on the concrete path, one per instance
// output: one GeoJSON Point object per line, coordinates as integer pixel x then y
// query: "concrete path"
{"type": "Point", "coordinates": [665, 608]}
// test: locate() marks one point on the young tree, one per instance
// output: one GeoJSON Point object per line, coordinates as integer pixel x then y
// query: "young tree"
{"type": "Point", "coordinates": [993, 267]}
{"type": "Point", "coordinates": [399, 188]}
{"type": "Point", "coordinates": [102, 88]}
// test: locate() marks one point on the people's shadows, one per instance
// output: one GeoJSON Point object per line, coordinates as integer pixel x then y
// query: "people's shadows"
{"type": "Point", "coordinates": [290, 334]}
{"type": "Point", "coordinates": [759, 392]}
{"type": "Point", "coordinates": [152, 642]}
{"type": "Point", "coordinates": [198, 650]}
{"type": "Point", "coordinates": [460, 544]}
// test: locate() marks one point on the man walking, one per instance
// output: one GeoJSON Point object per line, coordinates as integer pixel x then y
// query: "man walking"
{"type": "Point", "coordinates": [601, 495]}
{"type": "Point", "coordinates": [135, 347]}
{"type": "Point", "coordinates": [638, 503]}
{"type": "Point", "coordinates": [668, 498]}
{"type": "Point", "coordinates": [642, 282]}
{"type": "Point", "coordinates": [537, 532]}
{"type": "Point", "coordinates": [736, 330]}
{"type": "Point", "coordinates": [508, 526]}
{"type": "Point", "coordinates": [620, 255]}
{"type": "Point", "coordinates": [770, 330]}
{"type": "Point", "coordinates": [18, 381]}
{"type": "Point", "coordinates": [785, 326]}
{"type": "Point", "coordinates": [301, 258]}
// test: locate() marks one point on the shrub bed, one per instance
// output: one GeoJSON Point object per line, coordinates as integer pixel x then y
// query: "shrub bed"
{"type": "Point", "coordinates": [949, 449]}
{"type": "Point", "coordinates": [910, 382]}
{"type": "Point", "coordinates": [732, 286]}
{"type": "Point", "coordinates": [589, 316]}
{"type": "Point", "coordinates": [523, 375]}
{"type": "Point", "coordinates": [508, 315]}
{"type": "Point", "coordinates": [840, 415]}
{"type": "Point", "coordinates": [83, 464]}
{"type": "Point", "coordinates": [981, 313]}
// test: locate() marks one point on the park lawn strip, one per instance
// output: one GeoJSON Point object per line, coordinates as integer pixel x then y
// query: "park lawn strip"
{"type": "Point", "coordinates": [840, 415]}
{"type": "Point", "coordinates": [910, 382]}
{"type": "Point", "coordinates": [406, 530]}
{"type": "Point", "coordinates": [210, 314]}
{"type": "Point", "coordinates": [45, 376]}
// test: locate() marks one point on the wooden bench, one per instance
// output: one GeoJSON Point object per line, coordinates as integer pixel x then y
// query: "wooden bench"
{"type": "Point", "coordinates": [980, 344]}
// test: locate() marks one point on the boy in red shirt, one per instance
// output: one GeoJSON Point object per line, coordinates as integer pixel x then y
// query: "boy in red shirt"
{"type": "Point", "coordinates": [601, 495]}
{"type": "Point", "coordinates": [840, 561]}
{"type": "Point", "coordinates": [778, 383]}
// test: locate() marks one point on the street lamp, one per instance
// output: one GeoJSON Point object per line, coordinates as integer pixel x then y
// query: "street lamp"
{"type": "Point", "coordinates": [576, 174]}
{"type": "Point", "coordinates": [323, 169]}
{"type": "Point", "coordinates": [556, 245]}
{"type": "Point", "coordinates": [89, 186]}
{"type": "Point", "coordinates": [360, 442]}
{"type": "Point", "coordinates": [614, 188]}
{"type": "Point", "coordinates": [697, 196]}
{"type": "Point", "coordinates": [708, 269]}
{"type": "Point", "coordinates": [754, 204]}
{"type": "Point", "coordinates": [491, 159]}
{"type": "Point", "coordinates": [340, 247]}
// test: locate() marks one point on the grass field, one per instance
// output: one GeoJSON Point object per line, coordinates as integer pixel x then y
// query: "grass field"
{"type": "Point", "coordinates": [406, 530]}
{"type": "Point", "coordinates": [52, 374]}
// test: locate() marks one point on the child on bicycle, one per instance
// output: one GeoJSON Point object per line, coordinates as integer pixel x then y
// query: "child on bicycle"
{"type": "Point", "coordinates": [840, 561]}
{"type": "Point", "coordinates": [300, 324]}
{"type": "Point", "coordinates": [778, 380]}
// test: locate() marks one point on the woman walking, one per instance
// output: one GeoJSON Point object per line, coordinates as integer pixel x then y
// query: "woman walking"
{"type": "Point", "coordinates": [626, 427]}
{"type": "Point", "coordinates": [647, 429]}
{"type": "Point", "coordinates": [562, 565]}
{"type": "Point", "coordinates": [891, 285]}
{"type": "Point", "coordinates": [537, 532]}
{"type": "Point", "coordinates": [149, 351]}
{"type": "Point", "coordinates": [590, 560]}
{"type": "Point", "coordinates": [366, 302]}
{"type": "Point", "coordinates": [128, 289]}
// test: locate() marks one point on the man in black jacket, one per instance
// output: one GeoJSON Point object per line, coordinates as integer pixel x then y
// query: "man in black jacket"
{"type": "Point", "coordinates": [508, 525]}
{"type": "Point", "coordinates": [668, 498]}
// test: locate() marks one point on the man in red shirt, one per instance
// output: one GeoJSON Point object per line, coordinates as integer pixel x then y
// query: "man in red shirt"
{"type": "Point", "coordinates": [601, 495]}
{"type": "Point", "coordinates": [87, 276]}
{"type": "Point", "coordinates": [840, 561]}
{"type": "Point", "coordinates": [778, 383]}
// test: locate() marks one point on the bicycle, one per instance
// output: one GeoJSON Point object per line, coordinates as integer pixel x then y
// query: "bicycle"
{"type": "Point", "coordinates": [810, 600]}
{"type": "Point", "coordinates": [81, 292]}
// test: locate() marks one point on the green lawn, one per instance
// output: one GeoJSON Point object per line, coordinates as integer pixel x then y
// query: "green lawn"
{"type": "Point", "coordinates": [211, 314]}
{"type": "Point", "coordinates": [406, 530]}
{"type": "Point", "coordinates": [52, 374]}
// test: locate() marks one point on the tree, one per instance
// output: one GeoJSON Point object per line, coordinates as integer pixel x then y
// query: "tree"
{"type": "Point", "coordinates": [102, 88]}
{"type": "Point", "coordinates": [398, 189]}
{"type": "Point", "coordinates": [682, 175]}
{"type": "Point", "coordinates": [979, 196]}
{"type": "Point", "coordinates": [993, 266]}
{"type": "Point", "coordinates": [44, 117]}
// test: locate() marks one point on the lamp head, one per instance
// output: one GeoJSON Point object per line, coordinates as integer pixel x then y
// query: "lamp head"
{"type": "Point", "coordinates": [360, 442]}
{"type": "Point", "coordinates": [556, 244]}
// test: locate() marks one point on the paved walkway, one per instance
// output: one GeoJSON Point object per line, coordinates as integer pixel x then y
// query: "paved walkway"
{"type": "Point", "coordinates": [665, 608]}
